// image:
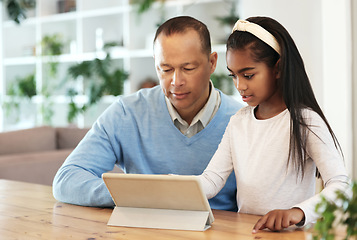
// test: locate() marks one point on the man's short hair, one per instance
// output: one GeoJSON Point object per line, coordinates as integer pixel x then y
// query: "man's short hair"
{"type": "Point", "coordinates": [182, 24]}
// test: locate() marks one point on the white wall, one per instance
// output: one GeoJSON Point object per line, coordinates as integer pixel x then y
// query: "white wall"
{"type": "Point", "coordinates": [322, 31]}
{"type": "Point", "coordinates": [354, 85]}
{"type": "Point", "coordinates": [302, 19]}
{"type": "Point", "coordinates": [337, 72]}
{"type": "Point", "coordinates": [2, 91]}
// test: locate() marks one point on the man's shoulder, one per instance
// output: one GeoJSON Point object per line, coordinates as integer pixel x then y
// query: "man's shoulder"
{"type": "Point", "coordinates": [231, 104]}
{"type": "Point", "coordinates": [141, 102]}
{"type": "Point", "coordinates": [145, 94]}
{"type": "Point", "coordinates": [144, 97]}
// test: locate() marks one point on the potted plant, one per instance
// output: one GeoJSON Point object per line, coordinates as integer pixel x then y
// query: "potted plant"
{"type": "Point", "coordinates": [23, 88]}
{"type": "Point", "coordinates": [229, 20]}
{"type": "Point", "coordinates": [52, 46]}
{"type": "Point", "coordinates": [144, 5]}
{"type": "Point", "coordinates": [223, 82]}
{"type": "Point", "coordinates": [339, 214]}
{"type": "Point", "coordinates": [16, 9]}
{"type": "Point", "coordinates": [98, 81]}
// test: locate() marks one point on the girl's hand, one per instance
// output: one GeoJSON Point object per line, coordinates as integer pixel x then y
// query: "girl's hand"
{"type": "Point", "coordinates": [277, 220]}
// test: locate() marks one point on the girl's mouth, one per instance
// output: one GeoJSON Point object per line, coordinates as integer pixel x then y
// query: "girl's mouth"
{"type": "Point", "coordinates": [246, 98]}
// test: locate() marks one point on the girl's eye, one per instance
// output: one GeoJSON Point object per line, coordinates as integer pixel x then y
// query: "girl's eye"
{"type": "Point", "coordinates": [232, 75]}
{"type": "Point", "coordinates": [248, 76]}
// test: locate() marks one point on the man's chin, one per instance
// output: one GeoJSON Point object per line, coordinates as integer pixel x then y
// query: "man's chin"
{"type": "Point", "coordinates": [180, 104]}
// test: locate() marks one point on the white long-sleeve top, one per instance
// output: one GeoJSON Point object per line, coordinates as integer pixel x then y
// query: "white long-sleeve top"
{"type": "Point", "coordinates": [258, 151]}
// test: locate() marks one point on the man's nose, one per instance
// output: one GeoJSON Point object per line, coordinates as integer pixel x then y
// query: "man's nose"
{"type": "Point", "coordinates": [177, 79]}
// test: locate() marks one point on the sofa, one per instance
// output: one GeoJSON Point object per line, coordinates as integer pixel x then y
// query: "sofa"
{"type": "Point", "coordinates": [34, 155]}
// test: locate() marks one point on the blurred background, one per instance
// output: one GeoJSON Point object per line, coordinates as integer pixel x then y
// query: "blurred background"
{"type": "Point", "coordinates": [63, 62]}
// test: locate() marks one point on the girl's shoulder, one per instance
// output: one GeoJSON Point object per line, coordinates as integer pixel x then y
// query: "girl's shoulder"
{"type": "Point", "coordinates": [244, 112]}
{"type": "Point", "coordinates": [308, 113]}
{"type": "Point", "coordinates": [311, 117]}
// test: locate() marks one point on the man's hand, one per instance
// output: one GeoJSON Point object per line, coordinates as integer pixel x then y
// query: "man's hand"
{"type": "Point", "coordinates": [277, 220]}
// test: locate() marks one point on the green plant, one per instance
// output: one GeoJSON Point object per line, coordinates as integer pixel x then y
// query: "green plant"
{"type": "Point", "coordinates": [52, 45]}
{"type": "Point", "coordinates": [98, 81]}
{"type": "Point", "coordinates": [223, 82]}
{"type": "Point", "coordinates": [23, 88]}
{"type": "Point", "coordinates": [144, 5]}
{"type": "Point", "coordinates": [231, 18]}
{"type": "Point", "coordinates": [340, 213]}
{"type": "Point", "coordinates": [16, 9]}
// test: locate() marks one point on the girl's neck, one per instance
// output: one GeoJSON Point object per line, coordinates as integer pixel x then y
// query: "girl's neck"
{"type": "Point", "coordinates": [264, 111]}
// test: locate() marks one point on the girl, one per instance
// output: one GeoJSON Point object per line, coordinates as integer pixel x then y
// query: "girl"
{"type": "Point", "coordinates": [281, 140]}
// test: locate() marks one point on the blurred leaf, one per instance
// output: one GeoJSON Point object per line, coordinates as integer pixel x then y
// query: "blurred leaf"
{"type": "Point", "coordinates": [81, 69]}
{"type": "Point", "coordinates": [143, 5]}
{"type": "Point", "coordinates": [346, 207]}
{"type": "Point", "coordinates": [99, 78]}
{"type": "Point", "coordinates": [223, 82]}
{"type": "Point", "coordinates": [16, 9]}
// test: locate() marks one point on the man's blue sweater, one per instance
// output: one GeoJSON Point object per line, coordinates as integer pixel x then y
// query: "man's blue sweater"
{"type": "Point", "coordinates": [136, 132]}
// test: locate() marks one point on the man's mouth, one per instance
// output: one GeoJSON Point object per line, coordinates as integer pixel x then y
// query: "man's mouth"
{"type": "Point", "coordinates": [179, 95]}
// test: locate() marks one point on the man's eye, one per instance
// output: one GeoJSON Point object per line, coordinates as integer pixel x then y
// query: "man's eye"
{"type": "Point", "coordinates": [166, 70]}
{"type": "Point", "coordinates": [248, 76]}
{"type": "Point", "coordinates": [188, 69]}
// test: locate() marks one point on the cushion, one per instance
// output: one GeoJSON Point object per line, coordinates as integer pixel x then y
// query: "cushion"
{"type": "Point", "coordinates": [69, 137]}
{"type": "Point", "coordinates": [33, 167]}
{"type": "Point", "coordinates": [28, 140]}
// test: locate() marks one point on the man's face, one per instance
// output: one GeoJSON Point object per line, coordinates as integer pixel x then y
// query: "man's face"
{"type": "Point", "coordinates": [184, 71]}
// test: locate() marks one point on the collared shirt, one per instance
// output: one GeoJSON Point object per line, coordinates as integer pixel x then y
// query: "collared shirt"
{"type": "Point", "coordinates": [203, 117]}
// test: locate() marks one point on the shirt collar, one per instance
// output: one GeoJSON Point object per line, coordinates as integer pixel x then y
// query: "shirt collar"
{"type": "Point", "coordinates": [204, 115]}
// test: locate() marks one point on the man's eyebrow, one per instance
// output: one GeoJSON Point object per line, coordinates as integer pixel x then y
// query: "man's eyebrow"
{"type": "Point", "coordinates": [242, 70]}
{"type": "Point", "coordinates": [187, 63]}
{"type": "Point", "coordinates": [182, 65]}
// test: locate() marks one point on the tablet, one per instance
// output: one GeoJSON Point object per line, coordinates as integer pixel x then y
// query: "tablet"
{"type": "Point", "coordinates": [178, 194]}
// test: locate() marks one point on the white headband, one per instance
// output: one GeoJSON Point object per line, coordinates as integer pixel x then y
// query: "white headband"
{"type": "Point", "coordinates": [259, 32]}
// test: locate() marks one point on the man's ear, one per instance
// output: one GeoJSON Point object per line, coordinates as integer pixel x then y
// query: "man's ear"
{"type": "Point", "coordinates": [277, 69]}
{"type": "Point", "coordinates": [213, 61]}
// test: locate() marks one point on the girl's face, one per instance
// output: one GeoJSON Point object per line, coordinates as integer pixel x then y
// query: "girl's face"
{"type": "Point", "coordinates": [255, 81]}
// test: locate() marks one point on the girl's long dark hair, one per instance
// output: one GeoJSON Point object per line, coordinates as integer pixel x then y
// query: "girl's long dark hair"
{"type": "Point", "coordinates": [294, 82]}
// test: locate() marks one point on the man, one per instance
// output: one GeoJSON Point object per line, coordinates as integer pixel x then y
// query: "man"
{"type": "Point", "coordinates": [172, 129]}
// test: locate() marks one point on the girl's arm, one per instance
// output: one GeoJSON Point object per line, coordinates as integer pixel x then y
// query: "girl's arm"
{"type": "Point", "coordinates": [322, 150]}
{"type": "Point", "coordinates": [218, 170]}
{"type": "Point", "coordinates": [329, 161]}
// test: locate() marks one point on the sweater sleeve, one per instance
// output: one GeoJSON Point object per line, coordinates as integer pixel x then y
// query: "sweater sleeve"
{"type": "Point", "coordinates": [329, 162]}
{"type": "Point", "coordinates": [78, 181]}
{"type": "Point", "coordinates": [218, 170]}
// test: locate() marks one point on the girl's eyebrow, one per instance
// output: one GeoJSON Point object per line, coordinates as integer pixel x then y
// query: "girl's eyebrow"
{"type": "Point", "coordinates": [242, 70]}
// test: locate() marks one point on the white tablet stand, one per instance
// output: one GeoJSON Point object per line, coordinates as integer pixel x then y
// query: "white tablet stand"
{"type": "Point", "coordinates": [158, 201]}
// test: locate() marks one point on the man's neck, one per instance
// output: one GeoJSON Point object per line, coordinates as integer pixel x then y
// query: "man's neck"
{"type": "Point", "coordinates": [189, 115]}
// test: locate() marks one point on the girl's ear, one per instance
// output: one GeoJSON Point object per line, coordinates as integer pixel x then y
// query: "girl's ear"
{"type": "Point", "coordinates": [277, 69]}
